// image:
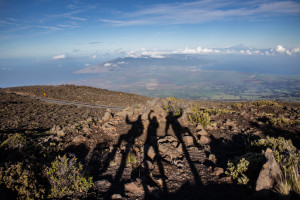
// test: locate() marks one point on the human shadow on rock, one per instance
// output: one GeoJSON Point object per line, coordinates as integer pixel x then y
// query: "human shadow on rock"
{"type": "Point", "coordinates": [172, 121]}
{"type": "Point", "coordinates": [151, 142]}
{"type": "Point", "coordinates": [135, 131]}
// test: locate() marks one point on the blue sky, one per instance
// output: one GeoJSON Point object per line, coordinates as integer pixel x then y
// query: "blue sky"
{"type": "Point", "coordinates": [57, 29]}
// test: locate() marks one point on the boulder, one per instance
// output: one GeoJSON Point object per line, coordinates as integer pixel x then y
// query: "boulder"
{"type": "Point", "coordinates": [212, 158]}
{"type": "Point", "coordinates": [218, 171]}
{"type": "Point", "coordinates": [188, 140]}
{"type": "Point", "coordinates": [79, 139]}
{"type": "Point", "coordinates": [204, 140]}
{"type": "Point", "coordinates": [151, 153]}
{"type": "Point", "coordinates": [109, 127]}
{"type": "Point", "coordinates": [116, 196]}
{"type": "Point", "coordinates": [107, 116]}
{"type": "Point", "coordinates": [202, 132]}
{"type": "Point", "coordinates": [134, 187]}
{"type": "Point", "coordinates": [269, 174]}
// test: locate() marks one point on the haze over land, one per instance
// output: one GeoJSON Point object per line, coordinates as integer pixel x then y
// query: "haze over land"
{"type": "Point", "coordinates": [228, 50]}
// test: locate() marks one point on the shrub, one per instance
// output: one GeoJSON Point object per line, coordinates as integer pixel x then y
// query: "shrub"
{"type": "Point", "coordinates": [244, 169]}
{"type": "Point", "coordinates": [286, 155]}
{"type": "Point", "coordinates": [174, 106]}
{"type": "Point", "coordinates": [65, 177]}
{"type": "Point", "coordinates": [14, 141]}
{"type": "Point", "coordinates": [282, 121]}
{"type": "Point", "coordinates": [21, 179]}
{"type": "Point", "coordinates": [218, 111]}
{"type": "Point", "coordinates": [199, 116]}
{"type": "Point", "coordinates": [131, 159]}
{"type": "Point", "coordinates": [266, 103]}
{"type": "Point", "coordinates": [284, 151]}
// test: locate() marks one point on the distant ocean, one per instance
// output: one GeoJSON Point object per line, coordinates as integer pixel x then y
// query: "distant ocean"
{"type": "Point", "coordinates": [28, 71]}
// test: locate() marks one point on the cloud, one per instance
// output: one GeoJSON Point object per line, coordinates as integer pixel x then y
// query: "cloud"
{"type": "Point", "coordinates": [95, 43]}
{"type": "Point", "coordinates": [107, 65]}
{"type": "Point", "coordinates": [279, 50]}
{"type": "Point", "coordinates": [78, 18]}
{"type": "Point", "coordinates": [94, 56]}
{"type": "Point", "coordinates": [53, 28]}
{"type": "Point", "coordinates": [70, 26]}
{"type": "Point", "coordinates": [203, 11]}
{"type": "Point", "coordinates": [62, 56]}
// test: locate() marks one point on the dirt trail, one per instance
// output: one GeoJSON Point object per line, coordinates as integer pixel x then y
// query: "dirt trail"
{"type": "Point", "coordinates": [64, 102]}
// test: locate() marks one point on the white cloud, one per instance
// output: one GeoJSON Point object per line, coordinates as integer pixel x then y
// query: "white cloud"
{"type": "Point", "coordinates": [210, 51]}
{"type": "Point", "coordinates": [205, 10]}
{"type": "Point", "coordinates": [94, 56]}
{"type": "Point", "coordinates": [87, 65]}
{"type": "Point", "coordinates": [280, 49]}
{"type": "Point", "coordinates": [107, 64]}
{"type": "Point", "coordinates": [62, 56]}
{"type": "Point", "coordinates": [296, 50]}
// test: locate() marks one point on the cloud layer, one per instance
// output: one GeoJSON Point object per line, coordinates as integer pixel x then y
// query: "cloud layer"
{"type": "Point", "coordinates": [239, 50]}
{"type": "Point", "coordinates": [203, 11]}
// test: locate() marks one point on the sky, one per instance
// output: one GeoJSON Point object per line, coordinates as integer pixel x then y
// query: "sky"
{"type": "Point", "coordinates": [58, 29]}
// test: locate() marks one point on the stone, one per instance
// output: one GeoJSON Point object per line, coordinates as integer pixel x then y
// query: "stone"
{"type": "Point", "coordinates": [204, 140]}
{"type": "Point", "coordinates": [199, 127]}
{"type": "Point", "coordinates": [169, 148]}
{"type": "Point", "coordinates": [116, 196]}
{"type": "Point", "coordinates": [86, 130]}
{"type": "Point", "coordinates": [134, 188]}
{"type": "Point", "coordinates": [212, 158]}
{"type": "Point", "coordinates": [79, 139]}
{"type": "Point", "coordinates": [107, 116]}
{"type": "Point", "coordinates": [151, 153]}
{"type": "Point", "coordinates": [270, 173]}
{"type": "Point", "coordinates": [218, 171]}
{"type": "Point", "coordinates": [105, 184]}
{"type": "Point", "coordinates": [202, 132]}
{"type": "Point", "coordinates": [188, 140]}
{"type": "Point", "coordinates": [158, 181]}
{"type": "Point", "coordinates": [109, 127]}
{"type": "Point", "coordinates": [183, 120]}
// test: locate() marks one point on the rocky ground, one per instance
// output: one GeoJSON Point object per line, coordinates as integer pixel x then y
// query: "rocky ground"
{"type": "Point", "coordinates": [144, 151]}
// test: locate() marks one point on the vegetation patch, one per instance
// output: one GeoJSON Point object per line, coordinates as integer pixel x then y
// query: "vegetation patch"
{"type": "Point", "coordinates": [199, 116]}
{"type": "Point", "coordinates": [266, 103]}
{"type": "Point", "coordinates": [242, 169]}
{"type": "Point", "coordinates": [174, 105]}
{"type": "Point", "coordinates": [66, 177]}
{"type": "Point", "coordinates": [21, 180]}
{"type": "Point", "coordinates": [282, 122]}
{"type": "Point", "coordinates": [14, 141]}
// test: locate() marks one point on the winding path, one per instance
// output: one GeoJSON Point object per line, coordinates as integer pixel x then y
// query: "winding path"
{"type": "Point", "coordinates": [64, 102]}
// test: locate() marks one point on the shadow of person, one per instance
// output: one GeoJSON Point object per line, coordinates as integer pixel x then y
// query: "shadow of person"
{"type": "Point", "coordinates": [151, 141]}
{"type": "Point", "coordinates": [179, 131]}
{"type": "Point", "coordinates": [135, 131]}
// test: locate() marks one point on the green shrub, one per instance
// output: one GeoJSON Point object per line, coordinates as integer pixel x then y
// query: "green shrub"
{"type": "Point", "coordinates": [282, 122]}
{"type": "Point", "coordinates": [65, 177]}
{"type": "Point", "coordinates": [14, 141]}
{"type": "Point", "coordinates": [174, 106]}
{"type": "Point", "coordinates": [284, 151]}
{"type": "Point", "coordinates": [131, 159]}
{"type": "Point", "coordinates": [199, 116]}
{"type": "Point", "coordinates": [286, 155]}
{"type": "Point", "coordinates": [21, 179]}
{"type": "Point", "coordinates": [244, 169]}
{"type": "Point", "coordinates": [266, 103]}
{"type": "Point", "coordinates": [218, 111]}
{"type": "Point", "coordinates": [238, 105]}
